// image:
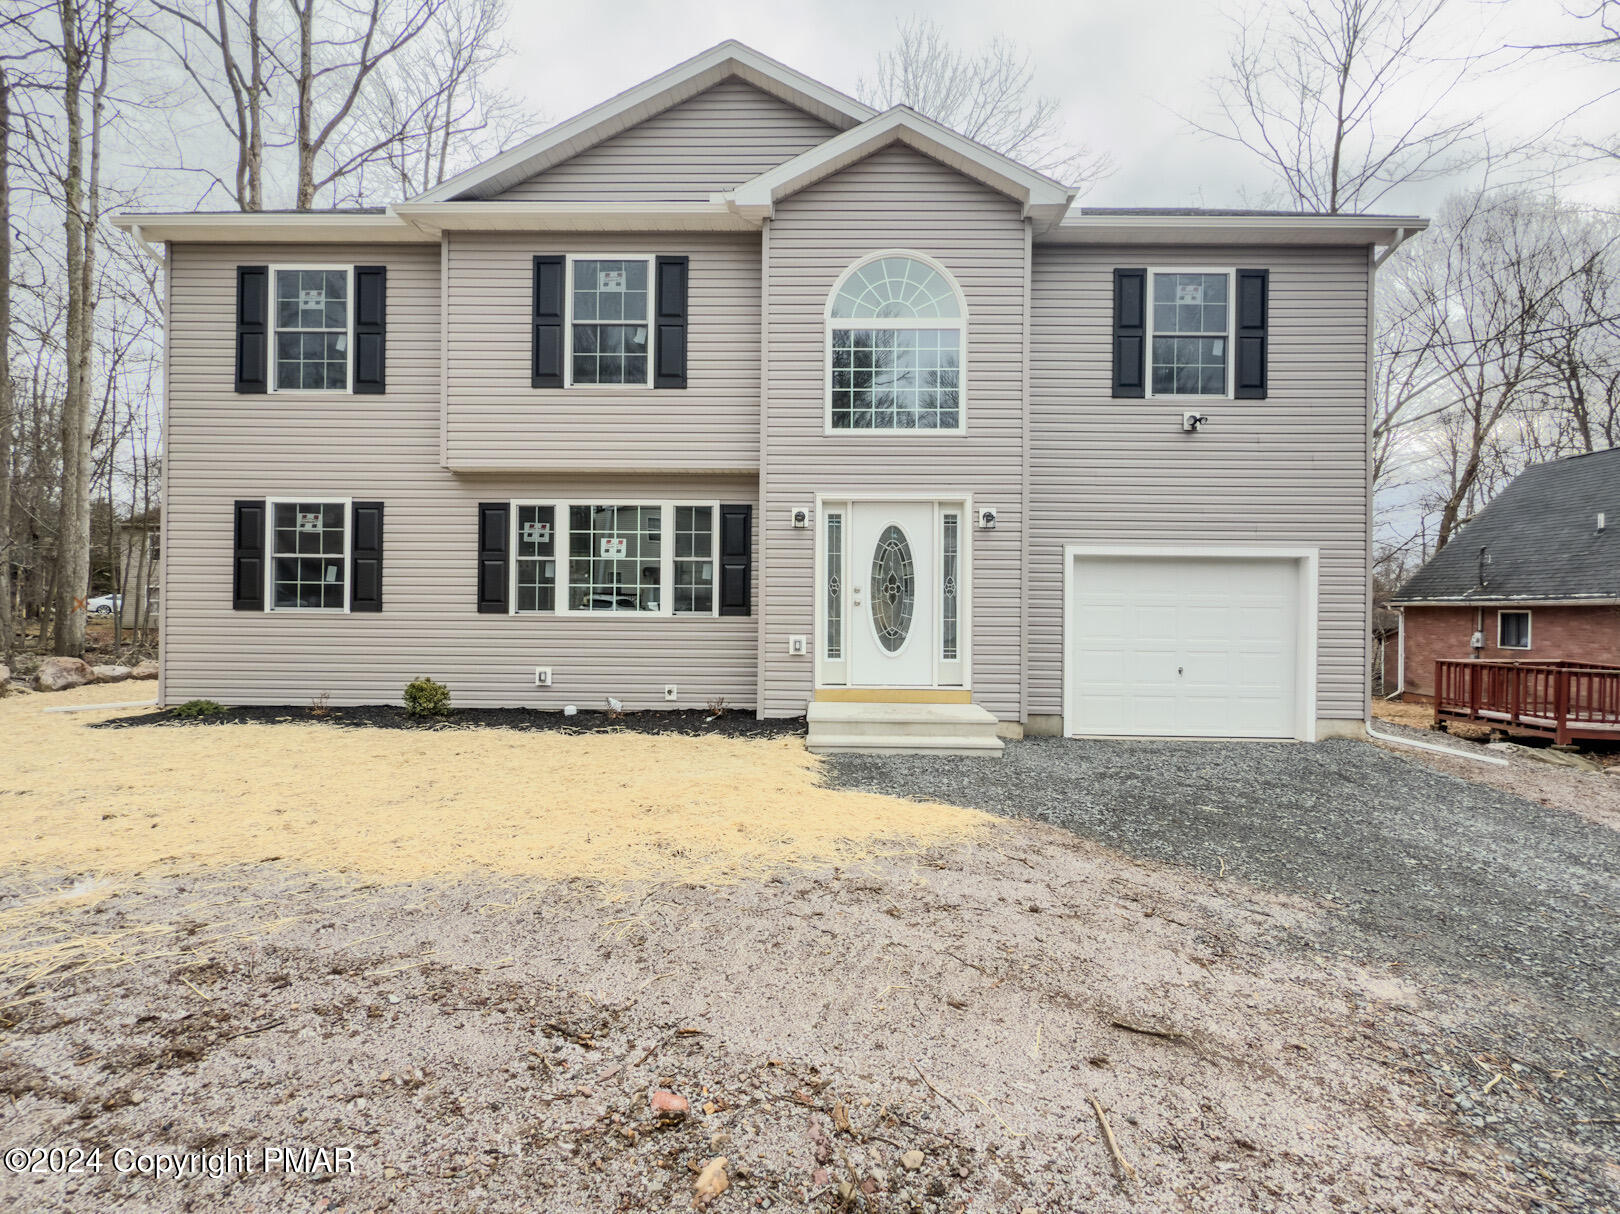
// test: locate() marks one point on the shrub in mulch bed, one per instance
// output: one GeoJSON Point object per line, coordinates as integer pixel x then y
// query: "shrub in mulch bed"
{"type": "Point", "coordinates": [689, 722]}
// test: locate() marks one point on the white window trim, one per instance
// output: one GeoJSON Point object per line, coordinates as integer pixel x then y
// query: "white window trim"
{"type": "Point", "coordinates": [666, 561]}
{"type": "Point", "coordinates": [908, 322]}
{"type": "Point", "coordinates": [568, 321]}
{"type": "Point", "coordinates": [1527, 623]}
{"type": "Point", "coordinates": [270, 551]}
{"type": "Point", "coordinates": [273, 328]}
{"type": "Point", "coordinates": [1231, 332]}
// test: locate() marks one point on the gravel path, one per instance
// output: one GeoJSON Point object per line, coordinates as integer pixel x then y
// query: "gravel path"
{"type": "Point", "coordinates": [1510, 907]}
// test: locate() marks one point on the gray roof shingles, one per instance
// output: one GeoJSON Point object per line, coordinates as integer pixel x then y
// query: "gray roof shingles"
{"type": "Point", "coordinates": [1541, 537]}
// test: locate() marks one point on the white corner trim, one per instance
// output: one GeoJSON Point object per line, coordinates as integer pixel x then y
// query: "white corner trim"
{"type": "Point", "coordinates": [1307, 556]}
{"type": "Point", "coordinates": [642, 101]}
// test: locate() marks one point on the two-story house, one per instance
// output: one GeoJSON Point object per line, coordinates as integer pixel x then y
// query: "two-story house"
{"type": "Point", "coordinates": [732, 388]}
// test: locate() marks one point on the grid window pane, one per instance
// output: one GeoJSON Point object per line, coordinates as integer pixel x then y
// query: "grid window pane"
{"type": "Point", "coordinates": [312, 330]}
{"type": "Point", "coordinates": [1190, 347]}
{"type": "Point", "coordinates": [694, 559]}
{"type": "Point", "coordinates": [309, 555]}
{"type": "Point", "coordinates": [614, 558]}
{"type": "Point", "coordinates": [896, 379]}
{"type": "Point", "coordinates": [535, 552]}
{"type": "Point", "coordinates": [617, 292]}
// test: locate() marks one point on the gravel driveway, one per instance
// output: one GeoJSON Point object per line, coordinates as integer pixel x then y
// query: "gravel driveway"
{"type": "Point", "coordinates": [1505, 912]}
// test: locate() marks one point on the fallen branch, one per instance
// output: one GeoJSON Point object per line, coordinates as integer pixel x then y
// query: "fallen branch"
{"type": "Point", "coordinates": [933, 1089]}
{"type": "Point", "coordinates": [263, 1028]}
{"type": "Point", "coordinates": [1167, 1034]}
{"type": "Point", "coordinates": [1126, 1172]}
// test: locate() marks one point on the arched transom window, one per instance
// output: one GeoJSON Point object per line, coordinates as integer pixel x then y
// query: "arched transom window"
{"type": "Point", "coordinates": [894, 336]}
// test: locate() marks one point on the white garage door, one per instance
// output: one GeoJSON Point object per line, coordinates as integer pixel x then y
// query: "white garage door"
{"type": "Point", "coordinates": [1184, 647]}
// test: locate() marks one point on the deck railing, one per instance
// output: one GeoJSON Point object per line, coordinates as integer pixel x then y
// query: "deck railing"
{"type": "Point", "coordinates": [1566, 699]}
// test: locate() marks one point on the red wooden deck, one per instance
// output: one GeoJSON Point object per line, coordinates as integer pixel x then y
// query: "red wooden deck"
{"type": "Point", "coordinates": [1567, 700]}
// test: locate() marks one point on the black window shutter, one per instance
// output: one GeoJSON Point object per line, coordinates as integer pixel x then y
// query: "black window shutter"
{"type": "Point", "coordinates": [247, 557]}
{"type": "Point", "coordinates": [546, 352]}
{"type": "Point", "coordinates": [736, 559]}
{"type": "Point", "coordinates": [370, 325]}
{"type": "Point", "coordinates": [365, 557]}
{"type": "Point", "coordinates": [252, 328]}
{"type": "Point", "coordinates": [669, 370]}
{"type": "Point", "coordinates": [493, 531]}
{"type": "Point", "coordinates": [1253, 307]}
{"type": "Point", "coordinates": [1130, 331]}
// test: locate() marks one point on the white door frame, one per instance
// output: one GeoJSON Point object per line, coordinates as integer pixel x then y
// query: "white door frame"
{"type": "Point", "coordinates": [940, 502]}
{"type": "Point", "coordinates": [1308, 560]}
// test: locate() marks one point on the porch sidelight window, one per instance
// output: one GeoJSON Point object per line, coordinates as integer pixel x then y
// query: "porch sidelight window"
{"type": "Point", "coordinates": [835, 589]}
{"type": "Point", "coordinates": [950, 584]}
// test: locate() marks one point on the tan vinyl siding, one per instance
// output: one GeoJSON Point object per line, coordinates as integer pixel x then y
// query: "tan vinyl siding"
{"type": "Point", "coordinates": [708, 143]}
{"type": "Point", "coordinates": [220, 447]}
{"type": "Point", "coordinates": [895, 199]}
{"type": "Point", "coordinates": [1288, 470]}
{"type": "Point", "coordinates": [496, 420]}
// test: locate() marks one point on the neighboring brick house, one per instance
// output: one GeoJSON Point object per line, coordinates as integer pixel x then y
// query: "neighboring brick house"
{"type": "Point", "coordinates": [1535, 576]}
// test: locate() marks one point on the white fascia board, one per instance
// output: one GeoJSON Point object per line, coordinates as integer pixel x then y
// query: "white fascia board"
{"type": "Point", "coordinates": [302, 227]}
{"type": "Point", "coordinates": [496, 216]}
{"type": "Point", "coordinates": [1041, 196]}
{"type": "Point", "coordinates": [637, 104]}
{"type": "Point", "coordinates": [1231, 229]}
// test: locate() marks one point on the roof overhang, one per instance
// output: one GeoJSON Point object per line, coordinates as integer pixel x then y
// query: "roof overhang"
{"type": "Point", "coordinates": [304, 227]}
{"type": "Point", "coordinates": [496, 216]}
{"type": "Point", "coordinates": [1079, 227]}
{"type": "Point", "coordinates": [1497, 600]}
{"type": "Point", "coordinates": [1041, 198]}
{"type": "Point", "coordinates": [726, 61]}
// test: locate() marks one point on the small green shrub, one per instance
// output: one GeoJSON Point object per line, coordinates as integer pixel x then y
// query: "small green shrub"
{"type": "Point", "coordinates": [425, 698]}
{"type": "Point", "coordinates": [199, 708]}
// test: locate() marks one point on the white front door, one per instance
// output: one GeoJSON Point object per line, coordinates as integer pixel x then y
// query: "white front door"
{"type": "Point", "coordinates": [893, 594]}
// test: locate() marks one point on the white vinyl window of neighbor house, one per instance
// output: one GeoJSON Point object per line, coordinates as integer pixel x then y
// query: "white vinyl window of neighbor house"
{"type": "Point", "coordinates": [1513, 630]}
{"type": "Point", "coordinates": [609, 321]}
{"type": "Point", "coordinates": [309, 556]}
{"type": "Point", "coordinates": [312, 325]}
{"type": "Point", "coordinates": [896, 335]}
{"type": "Point", "coordinates": [1190, 333]}
{"type": "Point", "coordinates": [636, 558]}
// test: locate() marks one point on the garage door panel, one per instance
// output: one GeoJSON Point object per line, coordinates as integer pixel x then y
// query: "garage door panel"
{"type": "Point", "coordinates": [1165, 646]}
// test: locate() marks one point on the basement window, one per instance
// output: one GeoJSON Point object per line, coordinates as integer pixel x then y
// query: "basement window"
{"type": "Point", "coordinates": [1513, 630]}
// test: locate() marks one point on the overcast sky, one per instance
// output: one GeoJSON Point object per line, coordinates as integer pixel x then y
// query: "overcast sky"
{"type": "Point", "coordinates": [1123, 72]}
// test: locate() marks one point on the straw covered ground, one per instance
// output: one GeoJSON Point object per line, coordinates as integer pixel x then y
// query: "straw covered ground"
{"type": "Point", "coordinates": [401, 805]}
{"type": "Point", "coordinates": [543, 972]}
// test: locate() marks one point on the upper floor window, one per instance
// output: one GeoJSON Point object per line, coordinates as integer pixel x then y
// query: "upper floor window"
{"type": "Point", "coordinates": [312, 323]}
{"type": "Point", "coordinates": [1190, 332]}
{"type": "Point", "coordinates": [895, 327]}
{"type": "Point", "coordinates": [609, 320]}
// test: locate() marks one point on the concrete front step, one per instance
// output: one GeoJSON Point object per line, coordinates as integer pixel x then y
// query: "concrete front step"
{"type": "Point", "coordinates": [854, 728]}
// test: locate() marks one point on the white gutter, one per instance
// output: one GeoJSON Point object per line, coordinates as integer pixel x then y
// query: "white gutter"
{"type": "Point", "coordinates": [146, 245]}
{"type": "Point", "coordinates": [1439, 750]}
{"type": "Point", "coordinates": [1401, 235]}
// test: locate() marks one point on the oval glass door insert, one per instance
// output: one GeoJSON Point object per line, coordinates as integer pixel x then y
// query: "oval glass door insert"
{"type": "Point", "coordinates": [894, 588]}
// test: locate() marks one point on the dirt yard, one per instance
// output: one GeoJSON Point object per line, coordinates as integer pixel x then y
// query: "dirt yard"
{"type": "Point", "coordinates": [222, 940]}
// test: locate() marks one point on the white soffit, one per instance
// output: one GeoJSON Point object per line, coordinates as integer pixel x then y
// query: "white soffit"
{"type": "Point", "coordinates": [679, 83]}
{"type": "Point", "coordinates": [1042, 198]}
{"type": "Point", "coordinates": [497, 216]}
{"type": "Point", "coordinates": [313, 227]}
{"type": "Point", "coordinates": [1191, 228]}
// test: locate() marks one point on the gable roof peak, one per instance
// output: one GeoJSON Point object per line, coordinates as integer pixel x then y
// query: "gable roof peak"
{"type": "Point", "coordinates": [724, 61]}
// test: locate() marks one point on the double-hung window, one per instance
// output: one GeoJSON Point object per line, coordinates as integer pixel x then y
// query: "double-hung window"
{"type": "Point", "coordinates": [609, 320]}
{"type": "Point", "coordinates": [646, 558]}
{"type": "Point", "coordinates": [309, 555]}
{"type": "Point", "coordinates": [312, 328]}
{"type": "Point", "coordinates": [1513, 630]}
{"type": "Point", "coordinates": [1190, 332]}
{"type": "Point", "coordinates": [895, 333]}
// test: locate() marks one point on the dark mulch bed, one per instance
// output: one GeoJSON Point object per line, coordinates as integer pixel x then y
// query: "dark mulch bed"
{"type": "Point", "coordinates": [689, 722]}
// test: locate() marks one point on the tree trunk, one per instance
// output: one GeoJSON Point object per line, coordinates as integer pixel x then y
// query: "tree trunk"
{"type": "Point", "coordinates": [306, 85]}
{"type": "Point", "coordinates": [73, 532]}
{"type": "Point", "coordinates": [7, 548]}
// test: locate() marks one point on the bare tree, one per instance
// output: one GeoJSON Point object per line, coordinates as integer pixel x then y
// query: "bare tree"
{"type": "Point", "coordinates": [989, 96]}
{"type": "Point", "coordinates": [1341, 100]}
{"type": "Point", "coordinates": [7, 639]}
{"type": "Point", "coordinates": [233, 33]}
